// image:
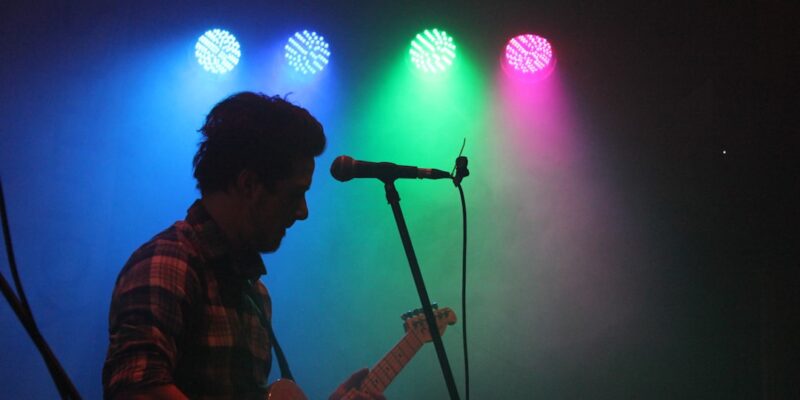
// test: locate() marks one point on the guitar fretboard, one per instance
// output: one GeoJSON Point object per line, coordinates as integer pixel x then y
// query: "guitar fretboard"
{"type": "Point", "coordinates": [384, 372]}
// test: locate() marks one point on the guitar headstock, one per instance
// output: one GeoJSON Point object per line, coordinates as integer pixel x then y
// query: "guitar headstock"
{"type": "Point", "coordinates": [416, 324]}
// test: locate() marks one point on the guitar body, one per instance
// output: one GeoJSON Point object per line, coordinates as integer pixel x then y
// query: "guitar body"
{"type": "Point", "coordinates": [285, 389]}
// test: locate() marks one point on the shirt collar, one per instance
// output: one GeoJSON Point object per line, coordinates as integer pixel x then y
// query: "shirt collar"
{"type": "Point", "coordinates": [216, 248]}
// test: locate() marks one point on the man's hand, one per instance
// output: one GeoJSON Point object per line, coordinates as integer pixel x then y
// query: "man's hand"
{"type": "Point", "coordinates": [354, 383]}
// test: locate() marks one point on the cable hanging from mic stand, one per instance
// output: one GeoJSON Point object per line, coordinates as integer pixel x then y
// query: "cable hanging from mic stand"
{"type": "Point", "coordinates": [460, 171]}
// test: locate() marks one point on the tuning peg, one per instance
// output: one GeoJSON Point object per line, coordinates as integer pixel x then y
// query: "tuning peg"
{"type": "Point", "coordinates": [406, 315]}
{"type": "Point", "coordinates": [435, 306]}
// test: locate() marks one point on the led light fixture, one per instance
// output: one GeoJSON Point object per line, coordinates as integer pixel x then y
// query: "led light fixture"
{"type": "Point", "coordinates": [433, 51]}
{"type": "Point", "coordinates": [217, 51]}
{"type": "Point", "coordinates": [307, 52]}
{"type": "Point", "coordinates": [530, 55]}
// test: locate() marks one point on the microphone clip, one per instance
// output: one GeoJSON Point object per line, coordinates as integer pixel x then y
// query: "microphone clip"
{"type": "Point", "coordinates": [461, 170]}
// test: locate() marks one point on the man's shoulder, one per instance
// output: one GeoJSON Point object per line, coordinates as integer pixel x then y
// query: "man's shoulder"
{"type": "Point", "coordinates": [174, 242]}
{"type": "Point", "coordinates": [170, 252]}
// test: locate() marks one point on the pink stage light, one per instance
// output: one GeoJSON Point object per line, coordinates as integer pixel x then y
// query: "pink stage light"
{"type": "Point", "coordinates": [529, 56]}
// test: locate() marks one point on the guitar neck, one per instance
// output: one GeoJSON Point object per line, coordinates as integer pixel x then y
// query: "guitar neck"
{"type": "Point", "coordinates": [384, 372]}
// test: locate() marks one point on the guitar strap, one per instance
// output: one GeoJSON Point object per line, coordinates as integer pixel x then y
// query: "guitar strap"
{"type": "Point", "coordinates": [286, 373]}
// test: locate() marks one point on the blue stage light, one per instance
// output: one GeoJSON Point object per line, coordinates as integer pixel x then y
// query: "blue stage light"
{"type": "Point", "coordinates": [217, 51]}
{"type": "Point", "coordinates": [307, 52]}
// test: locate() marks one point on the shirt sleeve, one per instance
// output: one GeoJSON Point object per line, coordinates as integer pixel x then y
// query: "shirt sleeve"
{"type": "Point", "coordinates": [148, 314]}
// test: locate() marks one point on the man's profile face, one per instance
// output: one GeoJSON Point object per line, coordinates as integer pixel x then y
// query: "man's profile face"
{"type": "Point", "coordinates": [274, 211]}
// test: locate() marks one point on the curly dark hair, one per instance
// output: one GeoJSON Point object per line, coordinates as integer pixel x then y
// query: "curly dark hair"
{"type": "Point", "coordinates": [257, 132]}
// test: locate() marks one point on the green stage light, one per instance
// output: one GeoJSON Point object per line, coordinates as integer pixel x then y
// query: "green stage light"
{"type": "Point", "coordinates": [433, 51]}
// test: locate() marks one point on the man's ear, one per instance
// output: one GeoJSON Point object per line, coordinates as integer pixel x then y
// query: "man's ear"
{"type": "Point", "coordinates": [247, 183]}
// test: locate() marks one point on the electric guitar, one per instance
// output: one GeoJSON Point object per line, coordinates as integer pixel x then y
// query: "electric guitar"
{"type": "Point", "coordinates": [384, 372]}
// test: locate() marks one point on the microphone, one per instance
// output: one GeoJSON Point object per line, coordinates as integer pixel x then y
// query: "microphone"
{"type": "Point", "coordinates": [345, 168]}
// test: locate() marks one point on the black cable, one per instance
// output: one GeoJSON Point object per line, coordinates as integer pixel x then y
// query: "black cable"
{"type": "Point", "coordinates": [464, 290]}
{"type": "Point", "coordinates": [460, 171]}
{"type": "Point", "coordinates": [12, 264]}
{"type": "Point", "coordinates": [20, 306]}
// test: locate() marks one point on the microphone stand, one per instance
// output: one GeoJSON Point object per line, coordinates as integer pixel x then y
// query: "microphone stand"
{"type": "Point", "coordinates": [394, 200]}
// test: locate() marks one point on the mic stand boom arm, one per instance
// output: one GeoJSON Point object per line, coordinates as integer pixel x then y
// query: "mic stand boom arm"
{"type": "Point", "coordinates": [394, 200]}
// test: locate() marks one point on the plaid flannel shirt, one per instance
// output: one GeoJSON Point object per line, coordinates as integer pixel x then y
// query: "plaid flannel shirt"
{"type": "Point", "coordinates": [185, 312]}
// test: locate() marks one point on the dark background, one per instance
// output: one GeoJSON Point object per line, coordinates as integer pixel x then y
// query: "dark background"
{"type": "Point", "coordinates": [697, 102]}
